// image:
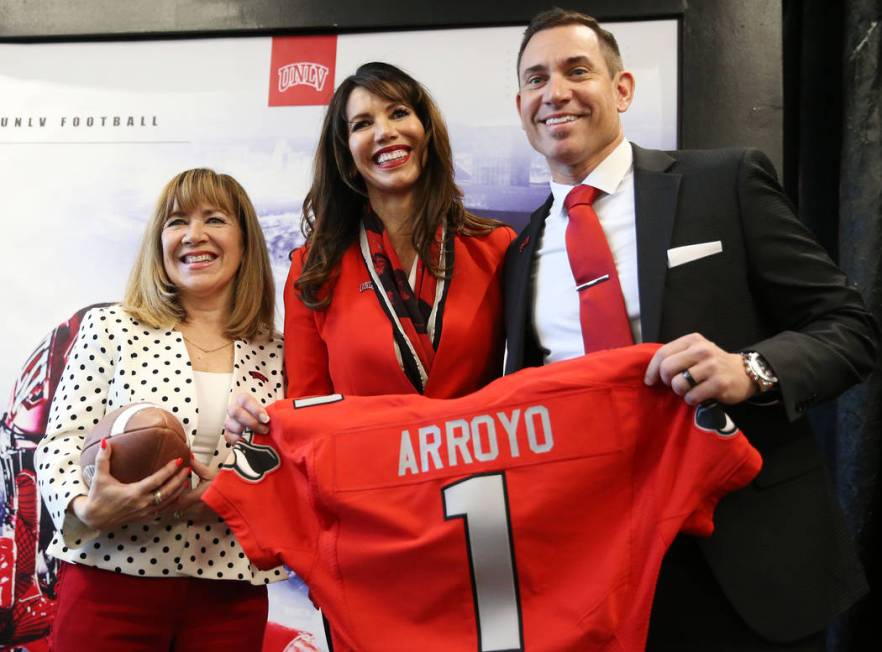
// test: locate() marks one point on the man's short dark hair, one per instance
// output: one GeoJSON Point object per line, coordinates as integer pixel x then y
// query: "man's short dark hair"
{"type": "Point", "coordinates": [557, 17]}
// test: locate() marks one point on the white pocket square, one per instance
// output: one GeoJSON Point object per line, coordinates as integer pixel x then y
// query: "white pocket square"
{"type": "Point", "coordinates": [682, 255]}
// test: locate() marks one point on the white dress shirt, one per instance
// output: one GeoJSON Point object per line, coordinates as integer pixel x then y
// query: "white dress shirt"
{"type": "Point", "coordinates": [556, 301]}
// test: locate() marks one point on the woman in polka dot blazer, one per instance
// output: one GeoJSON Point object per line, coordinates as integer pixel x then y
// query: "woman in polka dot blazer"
{"type": "Point", "coordinates": [147, 566]}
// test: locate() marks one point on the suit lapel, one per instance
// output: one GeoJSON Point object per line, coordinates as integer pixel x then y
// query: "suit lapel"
{"type": "Point", "coordinates": [655, 204]}
{"type": "Point", "coordinates": [518, 286]}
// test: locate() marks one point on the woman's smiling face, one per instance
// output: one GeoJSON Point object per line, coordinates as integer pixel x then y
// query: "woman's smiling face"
{"type": "Point", "coordinates": [386, 141]}
{"type": "Point", "coordinates": [201, 251]}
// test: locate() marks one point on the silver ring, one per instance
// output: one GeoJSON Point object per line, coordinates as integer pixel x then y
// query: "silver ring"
{"type": "Point", "coordinates": [157, 496]}
{"type": "Point", "coordinates": [689, 379]}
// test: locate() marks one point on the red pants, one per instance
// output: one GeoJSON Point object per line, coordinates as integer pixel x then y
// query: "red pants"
{"type": "Point", "coordinates": [103, 611]}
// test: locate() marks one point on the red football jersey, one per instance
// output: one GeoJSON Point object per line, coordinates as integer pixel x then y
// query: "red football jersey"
{"type": "Point", "coordinates": [530, 515]}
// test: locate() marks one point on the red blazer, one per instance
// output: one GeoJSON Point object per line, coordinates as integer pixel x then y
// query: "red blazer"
{"type": "Point", "coordinates": [348, 348]}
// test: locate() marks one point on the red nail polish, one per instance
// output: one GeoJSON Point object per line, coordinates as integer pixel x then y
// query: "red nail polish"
{"type": "Point", "coordinates": [104, 443]}
{"type": "Point", "coordinates": [179, 461]}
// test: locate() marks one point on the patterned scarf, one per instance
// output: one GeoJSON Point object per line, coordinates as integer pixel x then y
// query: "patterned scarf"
{"type": "Point", "coordinates": [415, 312]}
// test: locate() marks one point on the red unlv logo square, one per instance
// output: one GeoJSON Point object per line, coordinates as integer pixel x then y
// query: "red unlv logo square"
{"type": "Point", "coordinates": [302, 70]}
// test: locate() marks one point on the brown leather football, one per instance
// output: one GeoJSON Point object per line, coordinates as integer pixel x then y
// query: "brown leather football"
{"type": "Point", "coordinates": [143, 438]}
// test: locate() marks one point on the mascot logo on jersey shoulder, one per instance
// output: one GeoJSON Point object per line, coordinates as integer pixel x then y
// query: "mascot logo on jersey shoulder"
{"type": "Point", "coordinates": [711, 417]}
{"type": "Point", "coordinates": [252, 462]}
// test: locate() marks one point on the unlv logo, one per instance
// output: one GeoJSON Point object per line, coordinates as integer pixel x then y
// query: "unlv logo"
{"type": "Point", "coordinates": [302, 70]}
{"type": "Point", "coordinates": [306, 73]}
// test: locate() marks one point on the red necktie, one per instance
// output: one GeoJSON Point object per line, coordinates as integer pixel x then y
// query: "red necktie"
{"type": "Point", "coordinates": [602, 311]}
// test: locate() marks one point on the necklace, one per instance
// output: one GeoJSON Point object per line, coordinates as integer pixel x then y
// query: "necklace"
{"type": "Point", "coordinates": [206, 351]}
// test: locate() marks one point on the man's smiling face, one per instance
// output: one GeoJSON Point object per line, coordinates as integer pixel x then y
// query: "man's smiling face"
{"type": "Point", "coordinates": [569, 102]}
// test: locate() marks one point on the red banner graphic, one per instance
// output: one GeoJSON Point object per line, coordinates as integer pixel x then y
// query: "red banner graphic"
{"type": "Point", "coordinates": [302, 70]}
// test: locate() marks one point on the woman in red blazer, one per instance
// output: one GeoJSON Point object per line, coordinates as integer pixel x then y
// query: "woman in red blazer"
{"type": "Point", "coordinates": [398, 287]}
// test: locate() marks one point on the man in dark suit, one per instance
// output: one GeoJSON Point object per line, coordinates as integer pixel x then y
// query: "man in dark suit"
{"type": "Point", "coordinates": [710, 258]}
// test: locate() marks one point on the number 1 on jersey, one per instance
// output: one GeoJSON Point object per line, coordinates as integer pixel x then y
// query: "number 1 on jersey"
{"type": "Point", "coordinates": [481, 502]}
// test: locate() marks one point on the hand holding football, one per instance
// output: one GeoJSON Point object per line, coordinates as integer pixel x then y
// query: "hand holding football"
{"type": "Point", "coordinates": [144, 438]}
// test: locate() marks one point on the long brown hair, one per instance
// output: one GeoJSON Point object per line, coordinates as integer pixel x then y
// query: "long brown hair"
{"type": "Point", "coordinates": [334, 205]}
{"type": "Point", "coordinates": [151, 296]}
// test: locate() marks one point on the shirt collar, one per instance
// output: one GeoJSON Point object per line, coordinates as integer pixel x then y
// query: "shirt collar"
{"type": "Point", "coordinates": [607, 176]}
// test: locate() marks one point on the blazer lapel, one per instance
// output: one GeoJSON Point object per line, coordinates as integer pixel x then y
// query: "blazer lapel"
{"type": "Point", "coordinates": [518, 287]}
{"type": "Point", "coordinates": [655, 204]}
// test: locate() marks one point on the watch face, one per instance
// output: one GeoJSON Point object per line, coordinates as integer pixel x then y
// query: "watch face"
{"type": "Point", "coordinates": [759, 371]}
{"type": "Point", "coordinates": [756, 367]}
{"type": "Point", "coordinates": [763, 370]}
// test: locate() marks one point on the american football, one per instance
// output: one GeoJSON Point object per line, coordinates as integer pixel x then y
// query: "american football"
{"type": "Point", "coordinates": [143, 438]}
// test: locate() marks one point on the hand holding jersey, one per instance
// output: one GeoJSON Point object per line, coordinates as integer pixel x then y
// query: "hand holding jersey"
{"type": "Point", "coordinates": [698, 370]}
{"type": "Point", "coordinates": [244, 413]}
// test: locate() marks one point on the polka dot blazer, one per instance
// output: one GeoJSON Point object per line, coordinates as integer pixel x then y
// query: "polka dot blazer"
{"type": "Point", "coordinates": [116, 361]}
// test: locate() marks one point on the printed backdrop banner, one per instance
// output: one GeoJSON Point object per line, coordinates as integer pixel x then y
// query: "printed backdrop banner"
{"type": "Point", "coordinates": [89, 134]}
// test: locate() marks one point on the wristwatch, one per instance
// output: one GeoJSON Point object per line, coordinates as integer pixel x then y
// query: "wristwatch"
{"type": "Point", "coordinates": [759, 371]}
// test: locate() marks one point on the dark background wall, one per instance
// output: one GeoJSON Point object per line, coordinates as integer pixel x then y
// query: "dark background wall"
{"type": "Point", "coordinates": [731, 88]}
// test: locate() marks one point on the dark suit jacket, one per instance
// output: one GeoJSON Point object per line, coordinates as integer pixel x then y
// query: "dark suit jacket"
{"type": "Point", "coordinates": [780, 551]}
